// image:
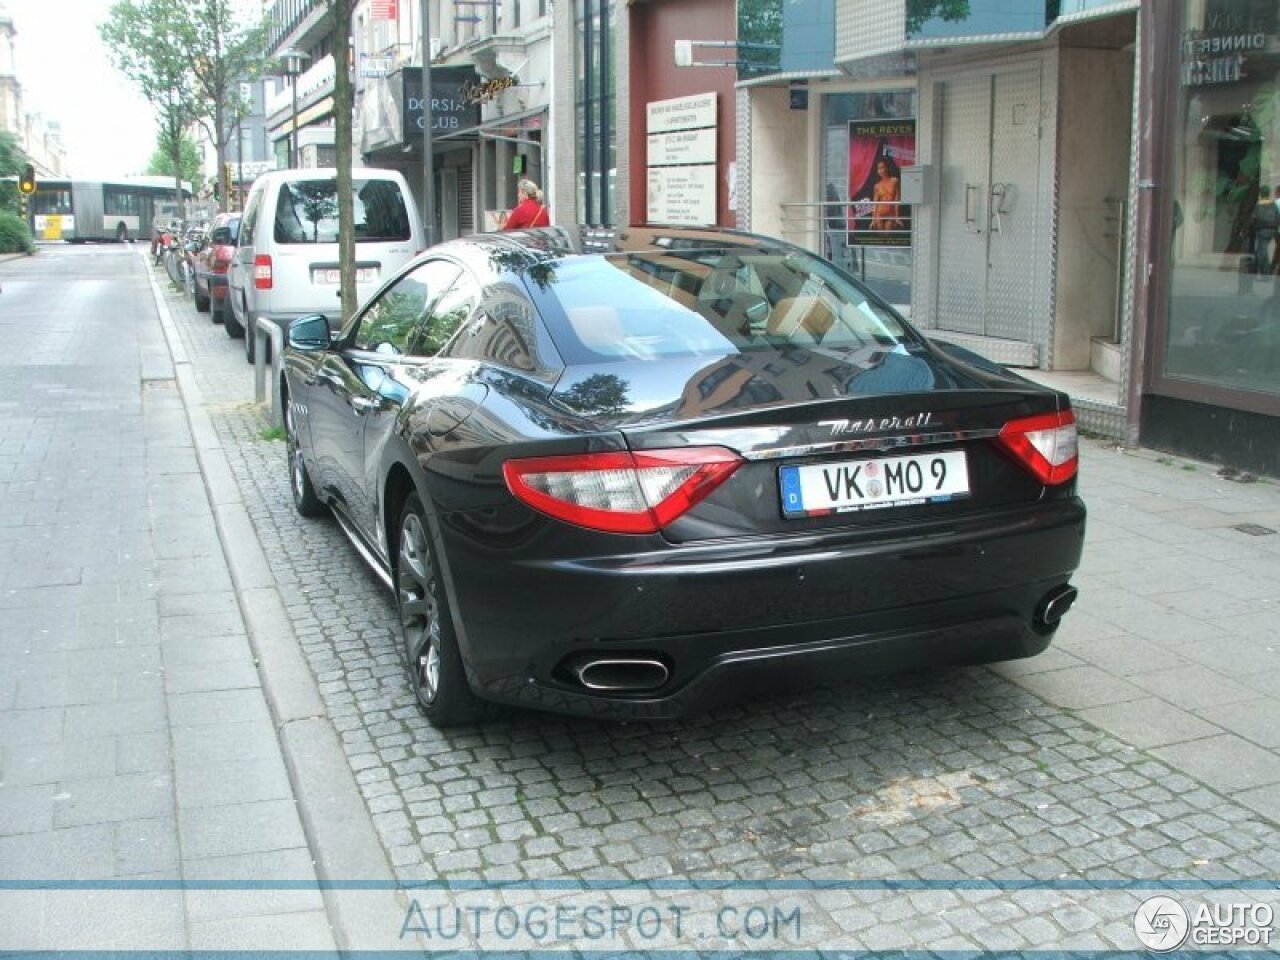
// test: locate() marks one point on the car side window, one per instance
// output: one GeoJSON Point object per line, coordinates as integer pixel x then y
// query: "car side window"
{"type": "Point", "coordinates": [503, 332]}
{"type": "Point", "coordinates": [250, 219]}
{"type": "Point", "coordinates": [448, 314]}
{"type": "Point", "coordinates": [388, 323]}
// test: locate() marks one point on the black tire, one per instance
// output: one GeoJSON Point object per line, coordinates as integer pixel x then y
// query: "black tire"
{"type": "Point", "coordinates": [305, 500]}
{"type": "Point", "coordinates": [202, 303]}
{"type": "Point", "coordinates": [122, 233]}
{"type": "Point", "coordinates": [230, 323]}
{"type": "Point", "coordinates": [436, 673]}
{"type": "Point", "coordinates": [218, 311]}
{"type": "Point", "coordinates": [250, 344]}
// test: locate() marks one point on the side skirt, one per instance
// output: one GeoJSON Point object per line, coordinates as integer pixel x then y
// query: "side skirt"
{"type": "Point", "coordinates": [377, 566]}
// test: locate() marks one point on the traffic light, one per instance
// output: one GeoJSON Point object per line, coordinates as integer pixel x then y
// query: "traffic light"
{"type": "Point", "coordinates": [27, 180]}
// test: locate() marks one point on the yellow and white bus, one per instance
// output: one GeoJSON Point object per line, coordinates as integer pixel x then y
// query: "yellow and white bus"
{"type": "Point", "coordinates": [80, 210]}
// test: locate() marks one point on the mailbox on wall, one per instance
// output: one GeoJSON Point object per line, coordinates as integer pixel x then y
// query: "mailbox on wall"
{"type": "Point", "coordinates": [917, 184]}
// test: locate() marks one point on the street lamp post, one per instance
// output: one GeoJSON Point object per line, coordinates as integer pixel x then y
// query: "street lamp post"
{"type": "Point", "coordinates": [428, 171]}
{"type": "Point", "coordinates": [291, 61]}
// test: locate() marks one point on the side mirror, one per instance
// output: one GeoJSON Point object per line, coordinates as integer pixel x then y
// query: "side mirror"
{"type": "Point", "coordinates": [310, 333]}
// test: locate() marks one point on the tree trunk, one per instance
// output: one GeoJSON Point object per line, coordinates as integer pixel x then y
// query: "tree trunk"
{"type": "Point", "coordinates": [341, 13]}
{"type": "Point", "coordinates": [175, 148]}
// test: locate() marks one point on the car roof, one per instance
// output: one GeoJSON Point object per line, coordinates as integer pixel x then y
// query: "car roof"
{"type": "Point", "coordinates": [517, 251]}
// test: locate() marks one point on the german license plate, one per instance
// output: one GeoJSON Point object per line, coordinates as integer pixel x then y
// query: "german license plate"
{"type": "Point", "coordinates": [327, 275]}
{"type": "Point", "coordinates": [849, 485]}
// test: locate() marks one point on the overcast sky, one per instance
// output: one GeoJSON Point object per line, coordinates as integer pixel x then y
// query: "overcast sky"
{"type": "Point", "coordinates": [107, 128]}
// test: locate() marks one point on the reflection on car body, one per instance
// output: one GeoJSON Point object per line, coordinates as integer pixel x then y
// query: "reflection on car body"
{"type": "Point", "coordinates": [700, 465]}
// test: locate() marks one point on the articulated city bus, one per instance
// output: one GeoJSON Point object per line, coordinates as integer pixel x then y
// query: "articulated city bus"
{"type": "Point", "coordinates": [78, 210]}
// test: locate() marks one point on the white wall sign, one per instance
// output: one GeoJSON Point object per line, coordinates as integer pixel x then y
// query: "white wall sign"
{"type": "Point", "coordinates": [682, 160]}
{"type": "Point", "coordinates": [682, 146]}
{"type": "Point", "coordinates": [682, 113]}
{"type": "Point", "coordinates": [683, 195]}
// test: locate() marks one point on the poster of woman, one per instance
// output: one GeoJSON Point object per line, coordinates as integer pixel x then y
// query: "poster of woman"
{"type": "Point", "coordinates": [878, 150]}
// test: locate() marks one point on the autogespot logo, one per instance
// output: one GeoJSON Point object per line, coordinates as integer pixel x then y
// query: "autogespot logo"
{"type": "Point", "coordinates": [1161, 923]}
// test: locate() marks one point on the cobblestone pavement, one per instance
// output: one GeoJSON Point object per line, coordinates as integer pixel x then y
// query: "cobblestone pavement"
{"type": "Point", "coordinates": [937, 775]}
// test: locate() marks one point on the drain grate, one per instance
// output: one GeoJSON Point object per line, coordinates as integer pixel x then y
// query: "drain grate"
{"type": "Point", "coordinates": [1253, 529]}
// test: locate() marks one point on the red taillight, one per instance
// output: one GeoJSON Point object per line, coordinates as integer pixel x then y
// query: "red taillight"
{"type": "Point", "coordinates": [621, 492]}
{"type": "Point", "coordinates": [1046, 445]}
{"type": "Point", "coordinates": [262, 272]}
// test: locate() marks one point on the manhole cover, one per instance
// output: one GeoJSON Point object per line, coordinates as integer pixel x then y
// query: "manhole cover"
{"type": "Point", "coordinates": [1253, 529]}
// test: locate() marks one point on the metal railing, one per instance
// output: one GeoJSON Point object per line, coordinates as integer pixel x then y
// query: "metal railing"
{"type": "Point", "coordinates": [822, 227]}
{"type": "Point", "coordinates": [268, 341]}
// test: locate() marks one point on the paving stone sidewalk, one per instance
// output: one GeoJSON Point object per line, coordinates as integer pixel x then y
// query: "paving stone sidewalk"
{"type": "Point", "coordinates": [1138, 747]}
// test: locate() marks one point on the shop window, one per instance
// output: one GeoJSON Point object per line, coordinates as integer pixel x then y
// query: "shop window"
{"type": "Point", "coordinates": [1224, 303]}
{"type": "Point", "coordinates": [597, 156]}
{"type": "Point", "coordinates": [867, 138]}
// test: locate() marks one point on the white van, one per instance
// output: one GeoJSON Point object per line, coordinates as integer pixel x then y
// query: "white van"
{"type": "Point", "coordinates": [286, 264]}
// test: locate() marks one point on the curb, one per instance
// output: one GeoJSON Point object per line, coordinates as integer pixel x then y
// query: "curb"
{"type": "Point", "coordinates": [340, 833]}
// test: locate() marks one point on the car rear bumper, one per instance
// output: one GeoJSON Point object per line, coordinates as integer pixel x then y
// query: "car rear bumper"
{"type": "Point", "coordinates": [729, 618]}
{"type": "Point", "coordinates": [215, 283]}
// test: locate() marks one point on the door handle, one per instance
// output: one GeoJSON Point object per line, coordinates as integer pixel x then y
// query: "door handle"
{"type": "Point", "coordinates": [970, 215]}
{"type": "Point", "coordinates": [362, 405]}
{"type": "Point", "coordinates": [999, 195]}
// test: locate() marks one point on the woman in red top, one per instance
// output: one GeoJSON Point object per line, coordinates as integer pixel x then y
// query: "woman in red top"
{"type": "Point", "coordinates": [530, 211]}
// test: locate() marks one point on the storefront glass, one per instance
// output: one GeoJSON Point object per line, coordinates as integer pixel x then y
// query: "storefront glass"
{"type": "Point", "coordinates": [867, 138]}
{"type": "Point", "coordinates": [596, 112]}
{"type": "Point", "coordinates": [1224, 305]}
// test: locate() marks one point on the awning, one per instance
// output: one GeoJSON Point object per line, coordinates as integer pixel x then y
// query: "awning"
{"type": "Point", "coordinates": [516, 125]}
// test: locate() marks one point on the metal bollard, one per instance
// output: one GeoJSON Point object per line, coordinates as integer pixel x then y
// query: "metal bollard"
{"type": "Point", "coordinates": [1244, 275]}
{"type": "Point", "coordinates": [268, 338]}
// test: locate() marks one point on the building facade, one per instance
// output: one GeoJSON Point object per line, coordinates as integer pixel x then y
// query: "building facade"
{"type": "Point", "coordinates": [490, 102]}
{"type": "Point", "coordinates": [39, 138]}
{"type": "Point", "coordinates": [1207, 382]}
{"type": "Point", "coordinates": [1066, 187]}
{"type": "Point", "coordinates": [299, 109]}
{"type": "Point", "coordinates": [973, 170]}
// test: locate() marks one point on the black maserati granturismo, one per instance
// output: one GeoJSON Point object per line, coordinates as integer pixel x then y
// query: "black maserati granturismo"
{"type": "Point", "coordinates": [699, 464]}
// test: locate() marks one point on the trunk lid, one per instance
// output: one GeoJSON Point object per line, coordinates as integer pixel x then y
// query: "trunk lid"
{"type": "Point", "coordinates": [920, 419]}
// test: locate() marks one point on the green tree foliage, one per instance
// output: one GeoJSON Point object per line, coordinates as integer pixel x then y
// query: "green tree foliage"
{"type": "Point", "coordinates": [918, 11]}
{"type": "Point", "coordinates": [11, 160]}
{"type": "Point", "coordinates": [15, 235]}
{"type": "Point", "coordinates": [161, 164]}
{"type": "Point", "coordinates": [224, 50]}
{"type": "Point", "coordinates": [759, 21]}
{"type": "Point", "coordinates": [144, 39]}
{"type": "Point", "coordinates": [188, 59]}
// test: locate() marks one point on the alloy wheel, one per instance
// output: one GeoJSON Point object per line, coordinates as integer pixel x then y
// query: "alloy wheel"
{"type": "Point", "coordinates": [297, 471]}
{"type": "Point", "coordinates": [419, 609]}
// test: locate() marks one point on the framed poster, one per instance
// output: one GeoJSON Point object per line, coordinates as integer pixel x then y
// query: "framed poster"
{"type": "Point", "coordinates": [878, 150]}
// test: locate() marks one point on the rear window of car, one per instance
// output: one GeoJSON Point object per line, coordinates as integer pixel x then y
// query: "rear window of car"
{"type": "Point", "coordinates": [307, 212]}
{"type": "Point", "coordinates": [226, 231]}
{"type": "Point", "coordinates": [708, 302]}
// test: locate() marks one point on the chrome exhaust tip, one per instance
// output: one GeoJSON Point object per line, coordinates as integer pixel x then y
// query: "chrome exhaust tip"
{"type": "Point", "coordinates": [621, 674]}
{"type": "Point", "coordinates": [1056, 604]}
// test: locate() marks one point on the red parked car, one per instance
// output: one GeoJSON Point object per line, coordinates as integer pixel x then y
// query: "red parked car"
{"type": "Point", "coordinates": [211, 262]}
